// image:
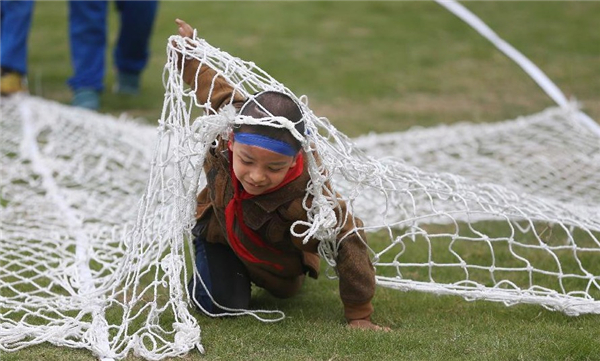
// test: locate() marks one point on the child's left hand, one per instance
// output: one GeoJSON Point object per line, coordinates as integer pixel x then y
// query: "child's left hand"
{"type": "Point", "coordinates": [184, 28]}
{"type": "Point", "coordinates": [366, 324]}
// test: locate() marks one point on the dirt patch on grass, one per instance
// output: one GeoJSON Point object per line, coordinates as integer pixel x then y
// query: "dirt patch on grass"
{"type": "Point", "coordinates": [421, 109]}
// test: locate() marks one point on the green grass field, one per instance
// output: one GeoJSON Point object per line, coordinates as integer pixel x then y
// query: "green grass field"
{"type": "Point", "coordinates": [370, 66]}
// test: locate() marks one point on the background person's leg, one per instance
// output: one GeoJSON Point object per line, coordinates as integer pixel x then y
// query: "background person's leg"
{"type": "Point", "coordinates": [87, 32]}
{"type": "Point", "coordinates": [132, 51]}
{"type": "Point", "coordinates": [15, 22]}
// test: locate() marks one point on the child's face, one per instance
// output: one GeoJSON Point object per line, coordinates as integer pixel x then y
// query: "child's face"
{"type": "Point", "coordinates": [259, 169]}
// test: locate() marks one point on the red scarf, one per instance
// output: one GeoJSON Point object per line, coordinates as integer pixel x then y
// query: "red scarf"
{"type": "Point", "coordinates": [234, 210]}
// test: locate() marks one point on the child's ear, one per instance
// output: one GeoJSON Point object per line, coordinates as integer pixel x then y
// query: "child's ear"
{"type": "Point", "coordinates": [230, 142]}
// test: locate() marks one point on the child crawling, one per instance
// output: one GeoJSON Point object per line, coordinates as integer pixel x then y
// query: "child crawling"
{"type": "Point", "coordinates": [256, 185]}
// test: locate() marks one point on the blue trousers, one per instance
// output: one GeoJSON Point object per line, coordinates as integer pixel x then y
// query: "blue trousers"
{"type": "Point", "coordinates": [87, 32]}
{"type": "Point", "coordinates": [15, 21]}
{"type": "Point", "coordinates": [223, 276]}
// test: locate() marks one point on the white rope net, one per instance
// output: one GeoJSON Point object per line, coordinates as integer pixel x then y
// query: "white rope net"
{"type": "Point", "coordinates": [96, 212]}
{"type": "Point", "coordinates": [81, 249]}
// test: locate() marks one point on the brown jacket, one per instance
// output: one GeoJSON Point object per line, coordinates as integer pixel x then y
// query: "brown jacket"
{"type": "Point", "coordinates": [271, 215]}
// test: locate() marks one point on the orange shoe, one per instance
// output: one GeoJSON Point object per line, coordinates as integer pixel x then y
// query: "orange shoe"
{"type": "Point", "coordinates": [11, 82]}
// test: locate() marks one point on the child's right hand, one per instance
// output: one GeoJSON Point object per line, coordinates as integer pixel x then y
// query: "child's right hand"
{"type": "Point", "coordinates": [184, 28]}
{"type": "Point", "coordinates": [366, 324]}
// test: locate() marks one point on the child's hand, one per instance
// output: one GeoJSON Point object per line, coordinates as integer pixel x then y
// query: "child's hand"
{"type": "Point", "coordinates": [184, 28]}
{"type": "Point", "coordinates": [366, 324]}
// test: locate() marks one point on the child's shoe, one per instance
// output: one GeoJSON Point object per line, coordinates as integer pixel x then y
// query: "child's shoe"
{"type": "Point", "coordinates": [127, 83]}
{"type": "Point", "coordinates": [12, 82]}
{"type": "Point", "coordinates": [86, 98]}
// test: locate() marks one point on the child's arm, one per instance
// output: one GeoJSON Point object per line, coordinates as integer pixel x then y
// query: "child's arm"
{"type": "Point", "coordinates": [208, 85]}
{"type": "Point", "coordinates": [354, 269]}
{"type": "Point", "coordinates": [356, 275]}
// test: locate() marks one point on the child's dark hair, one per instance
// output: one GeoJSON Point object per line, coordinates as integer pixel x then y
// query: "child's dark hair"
{"type": "Point", "coordinates": [273, 103]}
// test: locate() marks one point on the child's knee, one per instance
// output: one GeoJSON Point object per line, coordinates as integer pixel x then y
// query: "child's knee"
{"type": "Point", "coordinates": [199, 295]}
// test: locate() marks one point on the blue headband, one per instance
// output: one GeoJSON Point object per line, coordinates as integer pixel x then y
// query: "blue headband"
{"type": "Point", "coordinates": [265, 142]}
